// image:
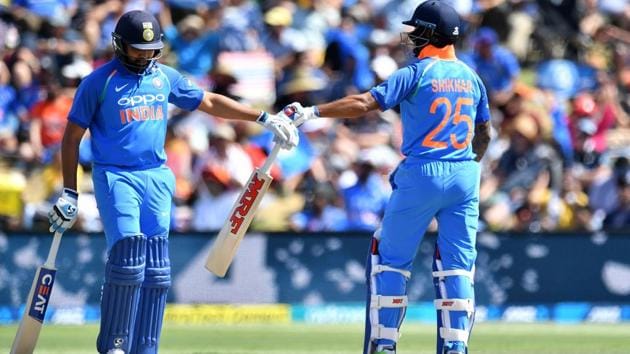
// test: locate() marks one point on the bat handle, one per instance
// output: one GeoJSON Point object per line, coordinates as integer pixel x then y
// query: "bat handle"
{"type": "Point", "coordinates": [52, 254]}
{"type": "Point", "coordinates": [270, 159]}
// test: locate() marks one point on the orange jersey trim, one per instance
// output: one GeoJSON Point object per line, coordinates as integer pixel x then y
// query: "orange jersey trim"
{"type": "Point", "coordinates": [444, 53]}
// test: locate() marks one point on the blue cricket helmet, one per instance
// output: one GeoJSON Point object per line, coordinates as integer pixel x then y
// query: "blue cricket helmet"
{"type": "Point", "coordinates": [434, 22]}
{"type": "Point", "coordinates": [139, 30]}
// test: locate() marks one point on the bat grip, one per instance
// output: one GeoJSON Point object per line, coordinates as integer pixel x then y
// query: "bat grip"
{"type": "Point", "coordinates": [270, 159]}
{"type": "Point", "coordinates": [52, 254]}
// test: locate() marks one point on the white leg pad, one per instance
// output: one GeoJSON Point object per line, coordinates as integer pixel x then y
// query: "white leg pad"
{"type": "Point", "coordinates": [450, 334]}
{"type": "Point", "coordinates": [455, 305]}
{"type": "Point", "coordinates": [382, 332]}
{"type": "Point", "coordinates": [383, 268]}
{"type": "Point", "coordinates": [454, 272]}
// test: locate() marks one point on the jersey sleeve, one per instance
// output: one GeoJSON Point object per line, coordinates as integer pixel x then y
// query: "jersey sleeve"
{"type": "Point", "coordinates": [396, 88]}
{"type": "Point", "coordinates": [184, 93]}
{"type": "Point", "coordinates": [85, 102]}
{"type": "Point", "coordinates": [483, 108]}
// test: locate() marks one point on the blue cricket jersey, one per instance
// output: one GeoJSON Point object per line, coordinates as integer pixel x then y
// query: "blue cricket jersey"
{"type": "Point", "coordinates": [441, 99]}
{"type": "Point", "coordinates": [126, 113]}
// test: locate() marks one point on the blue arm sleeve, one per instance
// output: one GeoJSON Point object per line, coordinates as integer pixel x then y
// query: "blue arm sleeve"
{"type": "Point", "coordinates": [184, 93]}
{"type": "Point", "coordinates": [483, 108]}
{"type": "Point", "coordinates": [396, 88]}
{"type": "Point", "coordinates": [85, 102]}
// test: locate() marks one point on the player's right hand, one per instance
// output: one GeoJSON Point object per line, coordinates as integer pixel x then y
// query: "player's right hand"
{"type": "Point", "coordinates": [64, 213]}
{"type": "Point", "coordinates": [299, 114]}
{"type": "Point", "coordinates": [285, 133]}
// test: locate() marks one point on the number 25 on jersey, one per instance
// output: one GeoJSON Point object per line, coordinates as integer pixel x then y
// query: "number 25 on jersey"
{"type": "Point", "coordinates": [430, 140]}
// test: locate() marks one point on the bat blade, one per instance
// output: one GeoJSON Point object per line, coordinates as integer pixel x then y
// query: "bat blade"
{"type": "Point", "coordinates": [35, 311]}
{"type": "Point", "coordinates": [228, 239]}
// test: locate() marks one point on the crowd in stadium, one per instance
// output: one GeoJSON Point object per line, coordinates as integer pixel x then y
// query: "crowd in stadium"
{"type": "Point", "coordinates": [557, 73]}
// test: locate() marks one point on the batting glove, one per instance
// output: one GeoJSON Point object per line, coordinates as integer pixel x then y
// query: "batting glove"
{"type": "Point", "coordinates": [285, 133]}
{"type": "Point", "coordinates": [299, 114]}
{"type": "Point", "coordinates": [64, 212]}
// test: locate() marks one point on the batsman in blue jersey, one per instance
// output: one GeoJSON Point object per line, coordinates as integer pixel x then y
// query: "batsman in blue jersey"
{"type": "Point", "coordinates": [124, 105]}
{"type": "Point", "coordinates": [444, 110]}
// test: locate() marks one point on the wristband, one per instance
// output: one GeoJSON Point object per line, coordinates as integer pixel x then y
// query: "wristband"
{"type": "Point", "coordinates": [71, 193]}
{"type": "Point", "coordinates": [262, 117]}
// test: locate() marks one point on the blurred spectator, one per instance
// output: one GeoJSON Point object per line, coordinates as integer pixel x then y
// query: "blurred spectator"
{"type": "Point", "coordinates": [241, 26]}
{"type": "Point", "coordinates": [48, 121]}
{"type": "Point", "coordinates": [278, 37]}
{"type": "Point", "coordinates": [195, 45]}
{"type": "Point", "coordinates": [619, 217]}
{"type": "Point", "coordinates": [497, 66]}
{"type": "Point", "coordinates": [220, 174]}
{"type": "Point", "coordinates": [8, 120]}
{"type": "Point", "coordinates": [12, 185]}
{"type": "Point", "coordinates": [366, 198]}
{"type": "Point", "coordinates": [321, 212]}
{"type": "Point", "coordinates": [604, 192]}
{"type": "Point", "coordinates": [526, 157]}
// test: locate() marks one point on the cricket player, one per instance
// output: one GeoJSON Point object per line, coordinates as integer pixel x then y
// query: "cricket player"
{"type": "Point", "coordinates": [124, 104]}
{"type": "Point", "coordinates": [444, 109]}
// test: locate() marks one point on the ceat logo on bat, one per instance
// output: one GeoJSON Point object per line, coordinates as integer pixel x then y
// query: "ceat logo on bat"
{"type": "Point", "coordinates": [41, 296]}
{"type": "Point", "coordinates": [245, 203]}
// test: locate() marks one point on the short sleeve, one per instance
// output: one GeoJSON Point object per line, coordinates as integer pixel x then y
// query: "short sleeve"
{"type": "Point", "coordinates": [483, 108]}
{"type": "Point", "coordinates": [396, 88]}
{"type": "Point", "coordinates": [511, 64]}
{"type": "Point", "coordinates": [85, 103]}
{"type": "Point", "coordinates": [184, 93]}
{"type": "Point", "coordinates": [36, 111]}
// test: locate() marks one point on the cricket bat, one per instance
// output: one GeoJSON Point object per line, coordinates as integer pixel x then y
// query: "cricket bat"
{"type": "Point", "coordinates": [227, 241]}
{"type": "Point", "coordinates": [37, 303]}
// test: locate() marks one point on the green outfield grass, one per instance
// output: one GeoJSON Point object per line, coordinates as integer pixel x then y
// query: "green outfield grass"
{"type": "Point", "coordinates": [488, 338]}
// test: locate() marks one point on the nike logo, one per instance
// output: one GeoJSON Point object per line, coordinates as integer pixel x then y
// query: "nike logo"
{"type": "Point", "coordinates": [120, 88]}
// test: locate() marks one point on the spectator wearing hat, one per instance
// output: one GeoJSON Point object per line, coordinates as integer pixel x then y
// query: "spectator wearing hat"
{"type": "Point", "coordinates": [278, 36]}
{"type": "Point", "coordinates": [220, 174]}
{"type": "Point", "coordinates": [193, 43]}
{"type": "Point", "coordinates": [527, 157]}
{"type": "Point", "coordinates": [496, 65]}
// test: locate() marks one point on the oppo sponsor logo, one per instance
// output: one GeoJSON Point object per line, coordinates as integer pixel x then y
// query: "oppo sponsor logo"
{"type": "Point", "coordinates": [144, 100]}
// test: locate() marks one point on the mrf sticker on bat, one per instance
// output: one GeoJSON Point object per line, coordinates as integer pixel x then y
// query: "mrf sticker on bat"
{"type": "Point", "coordinates": [245, 203]}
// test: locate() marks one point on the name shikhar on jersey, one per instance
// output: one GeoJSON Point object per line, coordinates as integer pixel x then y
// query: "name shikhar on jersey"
{"type": "Point", "coordinates": [452, 85]}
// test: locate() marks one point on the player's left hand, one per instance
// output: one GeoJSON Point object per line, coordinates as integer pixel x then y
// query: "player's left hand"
{"type": "Point", "coordinates": [285, 133]}
{"type": "Point", "coordinates": [64, 213]}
